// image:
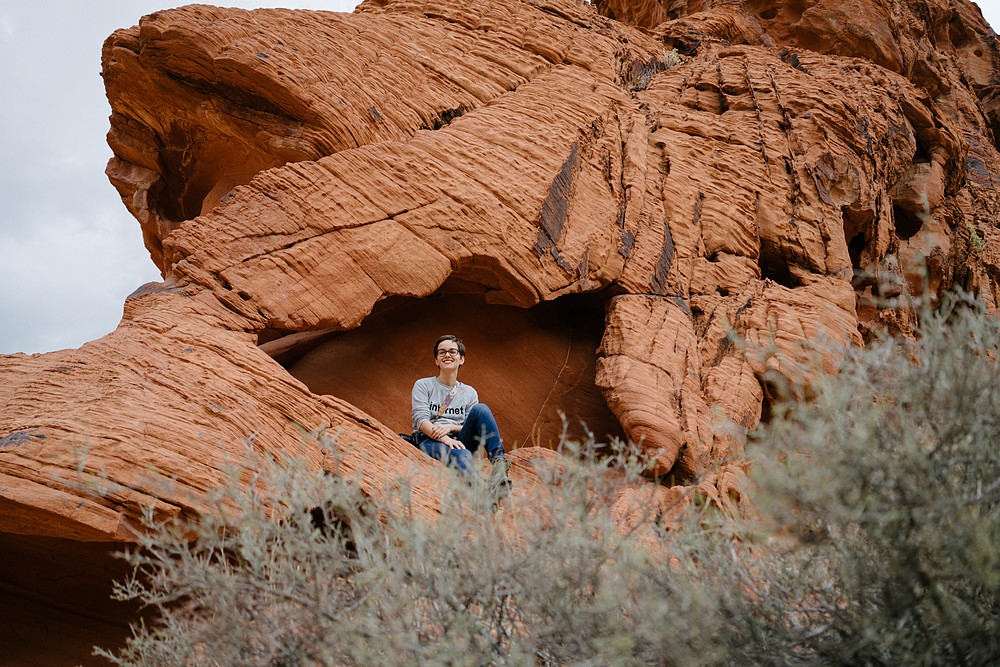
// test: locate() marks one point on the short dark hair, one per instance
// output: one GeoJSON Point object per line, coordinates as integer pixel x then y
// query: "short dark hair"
{"type": "Point", "coordinates": [457, 341]}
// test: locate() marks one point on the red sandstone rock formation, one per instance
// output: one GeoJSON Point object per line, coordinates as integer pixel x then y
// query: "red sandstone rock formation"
{"type": "Point", "coordinates": [594, 197]}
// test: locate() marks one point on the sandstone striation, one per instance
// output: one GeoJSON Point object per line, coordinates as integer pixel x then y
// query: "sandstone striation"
{"type": "Point", "coordinates": [633, 213]}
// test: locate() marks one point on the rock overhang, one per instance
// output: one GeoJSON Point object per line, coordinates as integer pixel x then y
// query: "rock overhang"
{"type": "Point", "coordinates": [504, 159]}
{"type": "Point", "coordinates": [549, 175]}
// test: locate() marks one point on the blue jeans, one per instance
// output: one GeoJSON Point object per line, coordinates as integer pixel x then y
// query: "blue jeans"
{"type": "Point", "coordinates": [480, 428]}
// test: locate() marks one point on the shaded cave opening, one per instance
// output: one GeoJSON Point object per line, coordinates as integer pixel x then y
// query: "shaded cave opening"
{"type": "Point", "coordinates": [855, 246]}
{"type": "Point", "coordinates": [920, 154]}
{"type": "Point", "coordinates": [906, 222]}
{"type": "Point", "coordinates": [194, 181]}
{"type": "Point", "coordinates": [55, 599]}
{"type": "Point", "coordinates": [535, 367]}
{"type": "Point", "coordinates": [771, 396]}
{"type": "Point", "coordinates": [201, 158]}
{"type": "Point", "coordinates": [994, 124]}
{"type": "Point", "coordinates": [859, 228]}
{"type": "Point", "coordinates": [774, 265]}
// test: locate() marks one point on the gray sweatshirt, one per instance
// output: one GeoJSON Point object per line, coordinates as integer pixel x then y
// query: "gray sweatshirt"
{"type": "Point", "coordinates": [428, 395]}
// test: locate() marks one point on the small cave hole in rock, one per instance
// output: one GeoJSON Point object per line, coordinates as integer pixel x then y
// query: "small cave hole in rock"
{"type": "Point", "coordinates": [529, 365]}
{"type": "Point", "coordinates": [854, 248]}
{"type": "Point", "coordinates": [920, 153]}
{"type": "Point", "coordinates": [858, 224]}
{"type": "Point", "coordinates": [774, 265]}
{"type": "Point", "coordinates": [771, 396]}
{"type": "Point", "coordinates": [957, 33]}
{"type": "Point", "coordinates": [995, 131]}
{"type": "Point", "coordinates": [790, 11]}
{"type": "Point", "coordinates": [907, 223]}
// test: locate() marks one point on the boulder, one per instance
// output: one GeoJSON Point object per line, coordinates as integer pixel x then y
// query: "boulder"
{"type": "Point", "coordinates": [634, 213]}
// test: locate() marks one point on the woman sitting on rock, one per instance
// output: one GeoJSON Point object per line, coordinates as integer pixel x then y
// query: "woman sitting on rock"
{"type": "Point", "coordinates": [450, 423]}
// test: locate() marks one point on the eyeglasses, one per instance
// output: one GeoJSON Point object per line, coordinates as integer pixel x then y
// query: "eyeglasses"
{"type": "Point", "coordinates": [448, 353]}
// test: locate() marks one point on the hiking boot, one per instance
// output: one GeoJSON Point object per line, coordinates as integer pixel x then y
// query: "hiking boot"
{"type": "Point", "coordinates": [498, 482]}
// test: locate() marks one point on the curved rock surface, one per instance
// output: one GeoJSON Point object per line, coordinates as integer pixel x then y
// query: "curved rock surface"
{"type": "Point", "coordinates": [596, 198]}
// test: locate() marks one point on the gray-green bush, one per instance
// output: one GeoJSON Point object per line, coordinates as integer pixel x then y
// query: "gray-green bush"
{"type": "Point", "coordinates": [887, 487]}
{"type": "Point", "coordinates": [373, 584]}
{"type": "Point", "coordinates": [880, 545]}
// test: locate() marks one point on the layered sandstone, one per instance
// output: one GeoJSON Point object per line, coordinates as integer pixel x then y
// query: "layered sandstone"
{"type": "Point", "coordinates": [633, 213]}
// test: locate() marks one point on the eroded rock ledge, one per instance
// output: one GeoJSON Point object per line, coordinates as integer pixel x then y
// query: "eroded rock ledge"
{"type": "Point", "coordinates": [594, 197]}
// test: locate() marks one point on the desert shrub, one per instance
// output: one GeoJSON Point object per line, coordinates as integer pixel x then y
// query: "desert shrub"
{"type": "Point", "coordinates": [307, 570]}
{"type": "Point", "coordinates": [883, 492]}
{"type": "Point", "coordinates": [879, 544]}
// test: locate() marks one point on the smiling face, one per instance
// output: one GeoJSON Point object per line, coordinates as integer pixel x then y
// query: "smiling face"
{"type": "Point", "coordinates": [448, 354]}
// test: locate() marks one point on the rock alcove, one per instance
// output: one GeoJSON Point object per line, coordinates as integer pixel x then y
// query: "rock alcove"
{"type": "Point", "coordinates": [537, 365]}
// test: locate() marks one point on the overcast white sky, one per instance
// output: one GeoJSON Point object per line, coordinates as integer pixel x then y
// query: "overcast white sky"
{"type": "Point", "coordinates": [69, 251]}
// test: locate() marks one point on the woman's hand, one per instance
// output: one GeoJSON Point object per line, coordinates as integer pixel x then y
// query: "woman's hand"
{"type": "Point", "coordinates": [438, 431]}
{"type": "Point", "coordinates": [452, 442]}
